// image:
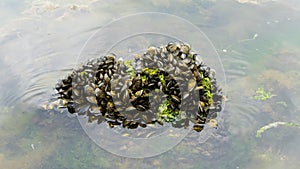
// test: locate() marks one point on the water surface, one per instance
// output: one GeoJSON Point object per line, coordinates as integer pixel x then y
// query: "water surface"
{"type": "Point", "coordinates": [258, 44]}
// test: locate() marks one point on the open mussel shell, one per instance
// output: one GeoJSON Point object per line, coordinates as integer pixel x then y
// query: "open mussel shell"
{"type": "Point", "coordinates": [164, 85]}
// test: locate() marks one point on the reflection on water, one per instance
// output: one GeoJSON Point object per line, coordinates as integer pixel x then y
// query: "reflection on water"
{"type": "Point", "coordinates": [259, 47]}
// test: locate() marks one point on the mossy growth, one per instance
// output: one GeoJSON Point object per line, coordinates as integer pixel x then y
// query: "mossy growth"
{"type": "Point", "coordinates": [162, 79]}
{"type": "Point", "coordinates": [153, 72]}
{"type": "Point", "coordinates": [150, 72]}
{"type": "Point", "coordinates": [166, 113]}
{"type": "Point", "coordinates": [83, 73]}
{"type": "Point", "coordinates": [206, 83]}
{"type": "Point", "coordinates": [191, 57]}
{"type": "Point", "coordinates": [262, 95]}
{"type": "Point", "coordinates": [144, 78]}
{"type": "Point", "coordinates": [209, 97]}
{"type": "Point", "coordinates": [130, 69]}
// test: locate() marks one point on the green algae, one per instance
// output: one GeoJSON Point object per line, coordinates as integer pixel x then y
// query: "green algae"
{"type": "Point", "coordinates": [274, 125]}
{"type": "Point", "coordinates": [206, 83]}
{"type": "Point", "coordinates": [166, 113]}
{"type": "Point", "coordinates": [150, 71]}
{"type": "Point", "coordinates": [283, 103]}
{"type": "Point", "coordinates": [263, 95]}
{"type": "Point", "coordinates": [162, 79]}
{"type": "Point", "coordinates": [130, 69]}
{"type": "Point", "coordinates": [83, 73]}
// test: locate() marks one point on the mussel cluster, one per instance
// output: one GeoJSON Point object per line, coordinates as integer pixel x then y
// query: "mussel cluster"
{"type": "Point", "coordinates": [167, 84]}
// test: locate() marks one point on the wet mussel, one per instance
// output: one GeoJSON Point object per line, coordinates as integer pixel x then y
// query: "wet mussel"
{"type": "Point", "coordinates": [149, 88]}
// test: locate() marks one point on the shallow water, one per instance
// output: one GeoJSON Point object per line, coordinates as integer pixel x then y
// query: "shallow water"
{"type": "Point", "coordinates": [259, 46]}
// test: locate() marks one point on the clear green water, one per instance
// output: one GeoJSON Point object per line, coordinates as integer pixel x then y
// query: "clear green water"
{"type": "Point", "coordinates": [259, 45]}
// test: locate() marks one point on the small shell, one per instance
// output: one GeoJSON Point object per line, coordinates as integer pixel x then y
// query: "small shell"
{"type": "Point", "coordinates": [140, 108]}
{"type": "Point", "coordinates": [213, 123]}
{"type": "Point", "coordinates": [198, 128]}
{"type": "Point", "coordinates": [138, 93]}
{"type": "Point", "coordinates": [185, 48]}
{"type": "Point", "coordinates": [92, 99]}
{"type": "Point", "coordinates": [186, 60]}
{"type": "Point", "coordinates": [108, 93]}
{"type": "Point", "coordinates": [199, 88]}
{"type": "Point", "coordinates": [97, 92]}
{"type": "Point", "coordinates": [125, 95]}
{"type": "Point", "coordinates": [176, 98]}
{"type": "Point", "coordinates": [212, 73]}
{"type": "Point", "coordinates": [130, 108]}
{"type": "Point", "coordinates": [111, 56]}
{"type": "Point", "coordinates": [88, 90]}
{"type": "Point", "coordinates": [160, 64]}
{"type": "Point", "coordinates": [202, 104]}
{"type": "Point", "coordinates": [76, 92]}
{"type": "Point", "coordinates": [198, 60]}
{"type": "Point", "coordinates": [106, 79]}
{"type": "Point", "coordinates": [151, 51]}
{"type": "Point", "coordinates": [118, 103]}
{"type": "Point", "coordinates": [101, 76]}
{"type": "Point", "coordinates": [172, 47]}
{"type": "Point", "coordinates": [143, 124]}
{"type": "Point", "coordinates": [191, 84]}
{"type": "Point", "coordinates": [183, 56]}
{"type": "Point", "coordinates": [175, 62]}
{"type": "Point", "coordinates": [170, 57]}
{"type": "Point", "coordinates": [120, 61]}
{"type": "Point", "coordinates": [185, 95]}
